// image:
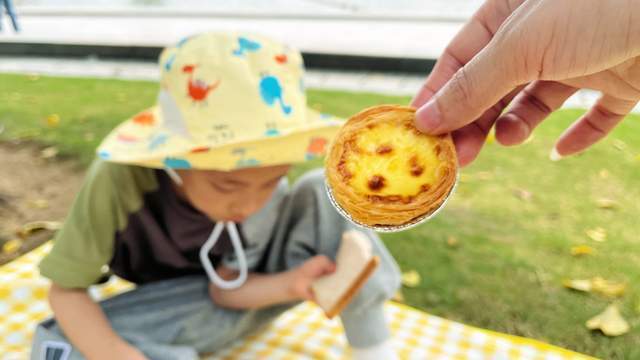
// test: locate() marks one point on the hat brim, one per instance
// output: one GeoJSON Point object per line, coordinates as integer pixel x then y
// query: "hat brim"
{"type": "Point", "coordinates": [144, 141]}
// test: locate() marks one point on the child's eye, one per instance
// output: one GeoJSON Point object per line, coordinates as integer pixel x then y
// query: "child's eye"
{"type": "Point", "coordinates": [224, 188]}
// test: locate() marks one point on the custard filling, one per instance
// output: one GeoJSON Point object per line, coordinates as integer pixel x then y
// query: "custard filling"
{"type": "Point", "coordinates": [390, 160]}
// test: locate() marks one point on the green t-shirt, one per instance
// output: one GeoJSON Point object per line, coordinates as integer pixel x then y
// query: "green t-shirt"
{"type": "Point", "coordinates": [129, 221]}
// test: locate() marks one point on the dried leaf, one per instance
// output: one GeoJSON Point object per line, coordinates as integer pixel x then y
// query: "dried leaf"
{"type": "Point", "coordinates": [580, 285]}
{"type": "Point", "coordinates": [48, 153]}
{"type": "Point", "coordinates": [606, 203]}
{"type": "Point", "coordinates": [491, 138]}
{"type": "Point", "coordinates": [53, 120]}
{"type": "Point", "coordinates": [452, 242]}
{"type": "Point", "coordinates": [597, 234]}
{"type": "Point", "coordinates": [597, 285]}
{"type": "Point", "coordinates": [528, 140]}
{"type": "Point", "coordinates": [39, 204]}
{"type": "Point", "coordinates": [619, 145]}
{"type": "Point", "coordinates": [610, 322]}
{"type": "Point", "coordinates": [398, 297]}
{"type": "Point", "coordinates": [11, 246]}
{"type": "Point", "coordinates": [607, 287]}
{"type": "Point", "coordinates": [604, 174]}
{"type": "Point", "coordinates": [522, 194]}
{"type": "Point", "coordinates": [411, 278]}
{"type": "Point", "coordinates": [29, 229]}
{"type": "Point", "coordinates": [581, 250]}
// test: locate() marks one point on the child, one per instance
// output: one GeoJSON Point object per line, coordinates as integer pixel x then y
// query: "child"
{"type": "Point", "coordinates": [212, 155]}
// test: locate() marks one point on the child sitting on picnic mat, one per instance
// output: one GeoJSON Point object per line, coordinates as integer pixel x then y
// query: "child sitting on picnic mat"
{"type": "Point", "coordinates": [207, 164]}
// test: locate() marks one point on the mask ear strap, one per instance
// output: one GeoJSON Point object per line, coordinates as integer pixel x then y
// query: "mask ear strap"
{"type": "Point", "coordinates": [174, 176]}
{"type": "Point", "coordinates": [237, 247]}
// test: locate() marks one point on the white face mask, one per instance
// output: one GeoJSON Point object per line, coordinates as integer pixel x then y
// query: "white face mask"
{"type": "Point", "coordinates": [210, 243]}
{"type": "Point", "coordinates": [237, 247]}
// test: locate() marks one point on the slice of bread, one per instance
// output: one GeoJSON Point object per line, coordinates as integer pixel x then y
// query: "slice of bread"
{"type": "Point", "coordinates": [355, 263]}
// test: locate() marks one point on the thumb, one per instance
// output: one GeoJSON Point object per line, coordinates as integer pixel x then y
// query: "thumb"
{"type": "Point", "coordinates": [475, 87]}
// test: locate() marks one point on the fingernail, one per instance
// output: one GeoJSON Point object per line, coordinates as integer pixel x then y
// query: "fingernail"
{"type": "Point", "coordinates": [428, 117]}
{"type": "Point", "coordinates": [555, 155]}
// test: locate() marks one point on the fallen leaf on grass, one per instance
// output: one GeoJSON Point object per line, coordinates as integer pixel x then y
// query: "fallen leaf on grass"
{"type": "Point", "coordinates": [597, 234]}
{"type": "Point", "coordinates": [398, 297]}
{"type": "Point", "coordinates": [619, 145]}
{"type": "Point", "coordinates": [580, 285]}
{"type": "Point", "coordinates": [607, 287]}
{"type": "Point", "coordinates": [11, 246]}
{"type": "Point", "coordinates": [528, 140]}
{"type": "Point", "coordinates": [610, 322]}
{"type": "Point", "coordinates": [452, 242]}
{"type": "Point", "coordinates": [604, 173]}
{"type": "Point", "coordinates": [33, 77]}
{"type": "Point", "coordinates": [89, 136]}
{"type": "Point", "coordinates": [581, 250]}
{"type": "Point", "coordinates": [53, 120]}
{"type": "Point", "coordinates": [606, 203]}
{"type": "Point", "coordinates": [411, 278]}
{"type": "Point", "coordinates": [48, 153]}
{"type": "Point", "coordinates": [491, 138]}
{"type": "Point", "coordinates": [31, 228]}
{"type": "Point", "coordinates": [597, 285]}
{"type": "Point", "coordinates": [523, 194]}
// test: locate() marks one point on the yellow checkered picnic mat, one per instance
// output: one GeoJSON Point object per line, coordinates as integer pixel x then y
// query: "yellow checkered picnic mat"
{"type": "Point", "coordinates": [301, 333]}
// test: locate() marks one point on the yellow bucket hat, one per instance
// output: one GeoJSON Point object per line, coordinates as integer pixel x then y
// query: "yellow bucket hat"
{"type": "Point", "coordinates": [226, 101]}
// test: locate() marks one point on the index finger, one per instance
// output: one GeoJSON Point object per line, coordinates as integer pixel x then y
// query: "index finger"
{"type": "Point", "coordinates": [472, 38]}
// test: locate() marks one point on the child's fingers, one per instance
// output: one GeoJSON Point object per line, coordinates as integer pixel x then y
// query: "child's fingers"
{"type": "Point", "coordinates": [319, 265]}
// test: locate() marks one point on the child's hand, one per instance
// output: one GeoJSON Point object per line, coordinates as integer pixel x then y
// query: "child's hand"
{"type": "Point", "coordinates": [305, 274]}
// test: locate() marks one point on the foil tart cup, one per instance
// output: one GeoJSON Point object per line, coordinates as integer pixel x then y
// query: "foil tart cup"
{"type": "Point", "coordinates": [390, 228]}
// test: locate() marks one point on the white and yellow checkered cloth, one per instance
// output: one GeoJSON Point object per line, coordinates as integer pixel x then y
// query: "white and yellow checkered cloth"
{"type": "Point", "coordinates": [301, 333]}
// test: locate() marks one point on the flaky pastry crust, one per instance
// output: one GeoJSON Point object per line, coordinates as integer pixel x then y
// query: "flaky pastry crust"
{"type": "Point", "coordinates": [382, 171]}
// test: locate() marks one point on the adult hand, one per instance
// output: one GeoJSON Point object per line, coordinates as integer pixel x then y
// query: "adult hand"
{"type": "Point", "coordinates": [534, 54]}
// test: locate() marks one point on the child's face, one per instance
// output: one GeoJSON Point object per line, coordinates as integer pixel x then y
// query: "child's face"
{"type": "Point", "coordinates": [233, 195]}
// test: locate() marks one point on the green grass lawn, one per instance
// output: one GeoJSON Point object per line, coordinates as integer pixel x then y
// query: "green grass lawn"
{"type": "Point", "coordinates": [512, 254]}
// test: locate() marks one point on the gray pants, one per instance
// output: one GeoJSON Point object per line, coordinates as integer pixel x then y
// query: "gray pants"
{"type": "Point", "coordinates": [175, 319]}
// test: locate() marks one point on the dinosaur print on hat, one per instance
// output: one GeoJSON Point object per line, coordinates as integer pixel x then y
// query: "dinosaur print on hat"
{"type": "Point", "coordinates": [245, 45]}
{"type": "Point", "coordinates": [271, 92]}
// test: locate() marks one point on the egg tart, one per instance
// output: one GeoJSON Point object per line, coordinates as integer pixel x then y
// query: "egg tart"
{"type": "Point", "coordinates": [385, 174]}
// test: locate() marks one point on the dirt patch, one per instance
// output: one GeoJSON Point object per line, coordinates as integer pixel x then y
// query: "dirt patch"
{"type": "Point", "coordinates": [33, 189]}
